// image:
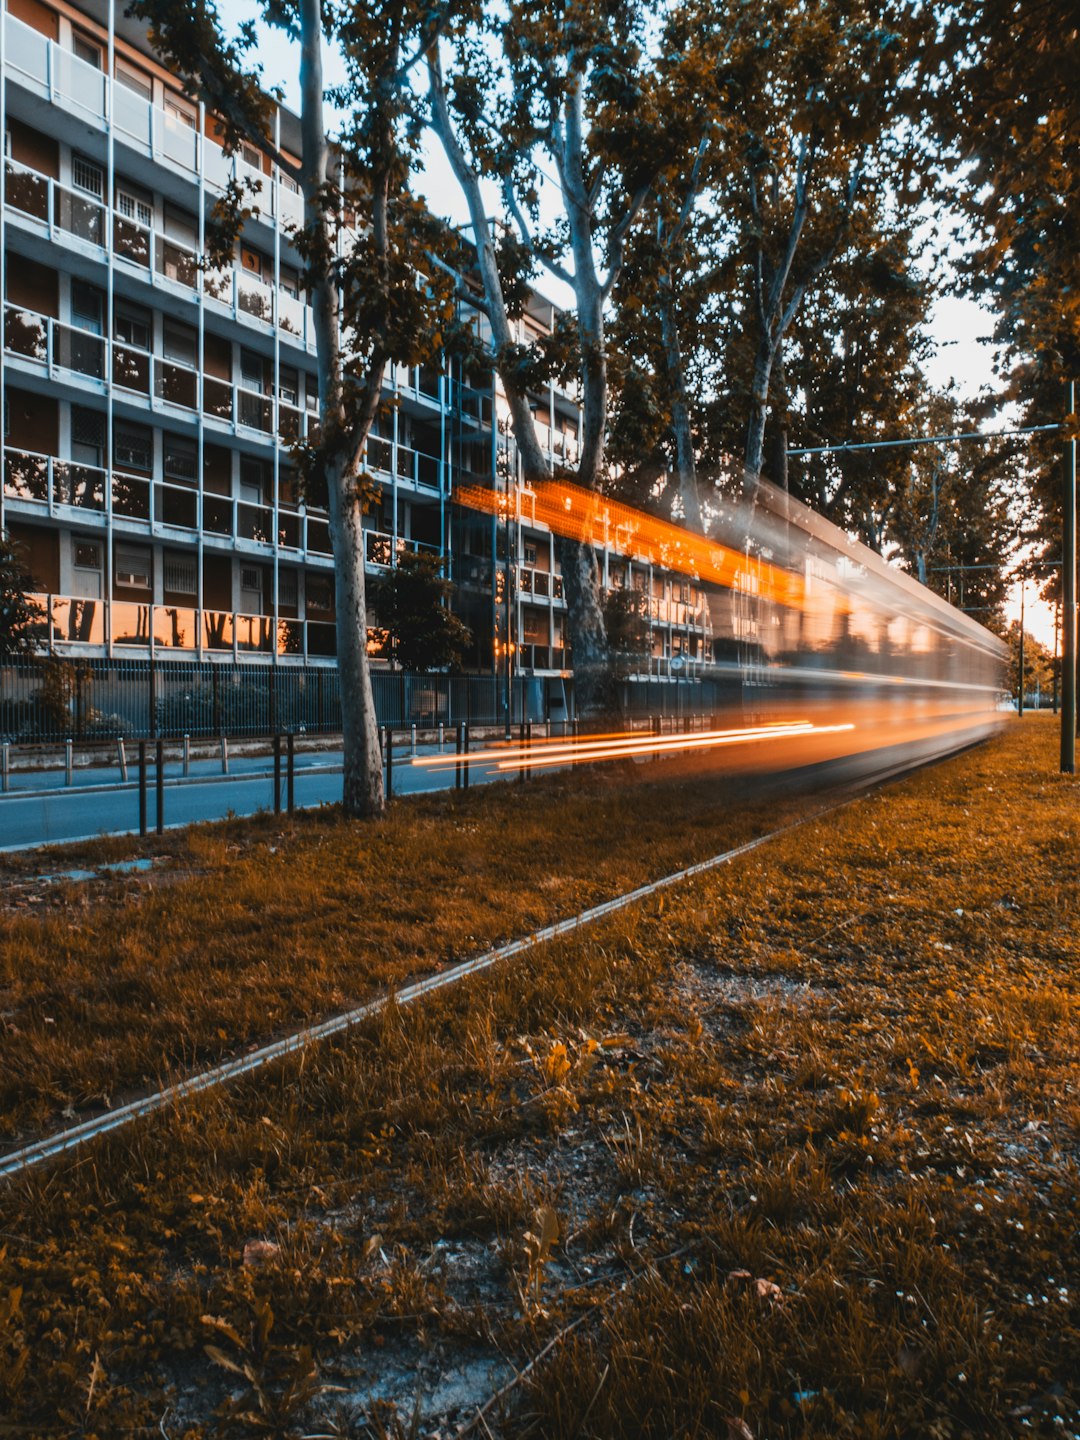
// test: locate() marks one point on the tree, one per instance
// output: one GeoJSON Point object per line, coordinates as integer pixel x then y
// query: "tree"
{"type": "Point", "coordinates": [379, 293]}
{"type": "Point", "coordinates": [21, 618]}
{"type": "Point", "coordinates": [412, 601]}
{"type": "Point", "coordinates": [567, 85]}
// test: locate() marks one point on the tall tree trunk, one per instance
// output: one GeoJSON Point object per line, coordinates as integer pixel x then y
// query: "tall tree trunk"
{"type": "Point", "coordinates": [685, 462]}
{"type": "Point", "coordinates": [754, 455]}
{"type": "Point", "coordinates": [363, 784]}
{"type": "Point", "coordinates": [593, 676]}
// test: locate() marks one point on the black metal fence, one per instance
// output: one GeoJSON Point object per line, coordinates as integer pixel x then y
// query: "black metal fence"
{"type": "Point", "coordinates": [45, 700]}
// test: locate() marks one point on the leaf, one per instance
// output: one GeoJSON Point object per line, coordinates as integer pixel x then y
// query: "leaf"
{"type": "Point", "coordinates": [219, 1357]}
{"type": "Point", "coordinates": [224, 1327]}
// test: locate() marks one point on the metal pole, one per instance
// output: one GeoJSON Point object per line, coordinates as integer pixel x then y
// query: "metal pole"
{"type": "Point", "coordinates": [465, 751]}
{"type": "Point", "coordinates": [277, 774]}
{"type": "Point", "coordinates": [122, 756]}
{"type": "Point", "coordinates": [521, 747]}
{"type": "Point", "coordinates": [389, 749]}
{"type": "Point", "coordinates": [1020, 706]}
{"type": "Point", "coordinates": [159, 786]}
{"type": "Point", "coordinates": [290, 791]}
{"type": "Point", "coordinates": [5, 766]}
{"type": "Point", "coordinates": [187, 756]}
{"type": "Point", "coordinates": [1068, 597]}
{"type": "Point", "coordinates": [457, 766]}
{"type": "Point", "coordinates": [67, 762]}
{"type": "Point", "coordinates": [142, 787]}
{"type": "Point", "coordinates": [224, 755]}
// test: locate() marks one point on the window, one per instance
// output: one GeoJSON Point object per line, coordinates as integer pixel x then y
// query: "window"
{"type": "Point", "coordinates": [135, 81]}
{"type": "Point", "coordinates": [287, 588]}
{"type": "Point", "coordinates": [132, 326]}
{"type": "Point", "coordinates": [530, 554]}
{"type": "Point", "coordinates": [251, 156]}
{"type": "Point", "coordinates": [87, 177]}
{"type": "Point", "coordinates": [87, 50]}
{"type": "Point", "coordinates": [252, 371]}
{"type": "Point", "coordinates": [134, 207]}
{"type": "Point", "coordinates": [179, 110]}
{"type": "Point", "coordinates": [181, 460]}
{"type": "Point", "coordinates": [179, 343]}
{"type": "Point", "coordinates": [319, 592]}
{"type": "Point", "coordinates": [252, 261]}
{"type": "Point", "coordinates": [251, 578]}
{"type": "Point", "coordinates": [133, 448]}
{"type": "Point", "coordinates": [133, 567]}
{"type": "Point", "coordinates": [87, 436]}
{"type": "Point", "coordinates": [180, 573]}
{"type": "Point", "coordinates": [289, 282]}
{"type": "Point", "coordinates": [252, 479]}
{"type": "Point", "coordinates": [86, 306]}
{"type": "Point", "coordinates": [181, 225]}
{"type": "Point", "coordinates": [288, 384]}
{"type": "Point", "coordinates": [87, 555]}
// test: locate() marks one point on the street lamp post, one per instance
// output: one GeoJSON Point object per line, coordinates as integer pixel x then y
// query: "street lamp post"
{"type": "Point", "coordinates": [1068, 597]}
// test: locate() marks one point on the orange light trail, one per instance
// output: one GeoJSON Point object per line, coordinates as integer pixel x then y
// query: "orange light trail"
{"type": "Point", "coordinates": [592, 748]}
{"type": "Point", "coordinates": [594, 519]}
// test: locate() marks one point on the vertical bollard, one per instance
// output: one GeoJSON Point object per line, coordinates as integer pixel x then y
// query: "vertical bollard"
{"type": "Point", "coordinates": [442, 736]}
{"type": "Point", "coordinates": [389, 749]}
{"type": "Point", "coordinates": [121, 755]}
{"type": "Point", "coordinates": [290, 792]}
{"type": "Point", "coordinates": [465, 750]}
{"type": "Point", "coordinates": [521, 747]}
{"type": "Point", "coordinates": [142, 787]}
{"type": "Point", "coordinates": [5, 766]}
{"type": "Point", "coordinates": [457, 767]}
{"type": "Point", "coordinates": [159, 786]}
{"type": "Point", "coordinates": [277, 774]}
{"type": "Point", "coordinates": [528, 741]}
{"type": "Point", "coordinates": [187, 756]}
{"type": "Point", "coordinates": [224, 755]}
{"type": "Point", "coordinates": [67, 762]}
{"type": "Point", "coordinates": [414, 740]}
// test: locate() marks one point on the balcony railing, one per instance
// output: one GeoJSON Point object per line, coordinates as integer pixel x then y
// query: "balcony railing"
{"type": "Point", "coordinates": [72, 620]}
{"type": "Point", "coordinates": [75, 213]}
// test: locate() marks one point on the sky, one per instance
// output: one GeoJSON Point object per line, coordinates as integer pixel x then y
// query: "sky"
{"type": "Point", "coordinates": [960, 327]}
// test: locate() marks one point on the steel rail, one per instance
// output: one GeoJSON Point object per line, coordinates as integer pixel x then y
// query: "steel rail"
{"type": "Point", "coordinates": [17, 1162]}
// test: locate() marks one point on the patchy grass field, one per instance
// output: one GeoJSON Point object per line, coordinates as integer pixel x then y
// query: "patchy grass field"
{"type": "Point", "coordinates": [793, 1153]}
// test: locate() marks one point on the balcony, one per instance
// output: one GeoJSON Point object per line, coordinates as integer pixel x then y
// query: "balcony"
{"type": "Point", "coordinates": [162, 629]}
{"type": "Point", "coordinates": [382, 551]}
{"type": "Point", "coordinates": [72, 214]}
{"type": "Point", "coordinates": [162, 382]}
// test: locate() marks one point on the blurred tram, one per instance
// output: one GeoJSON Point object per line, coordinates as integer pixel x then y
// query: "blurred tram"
{"type": "Point", "coordinates": [809, 627]}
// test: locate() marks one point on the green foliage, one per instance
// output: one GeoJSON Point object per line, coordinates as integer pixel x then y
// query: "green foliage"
{"type": "Point", "coordinates": [21, 619]}
{"type": "Point", "coordinates": [412, 601]}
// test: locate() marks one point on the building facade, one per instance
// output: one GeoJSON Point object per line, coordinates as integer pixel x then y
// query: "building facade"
{"type": "Point", "coordinates": [149, 403]}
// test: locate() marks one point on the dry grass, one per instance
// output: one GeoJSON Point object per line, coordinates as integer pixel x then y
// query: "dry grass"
{"type": "Point", "coordinates": [255, 927]}
{"type": "Point", "coordinates": [791, 1154]}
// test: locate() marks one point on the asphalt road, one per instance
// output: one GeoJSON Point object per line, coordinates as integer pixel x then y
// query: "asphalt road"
{"type": "Point", "coordinates": [42, 811]}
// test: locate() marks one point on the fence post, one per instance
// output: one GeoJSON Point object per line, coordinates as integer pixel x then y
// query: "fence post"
{"type": "Point", "coordinates": [290, 793]}
{"type": "Point", "coordinates": [187, 756]}
{"type": "Point", "coordinates": [389, 757]}
{"type": "Point", "coordinates": [122, 757]}
{"type": "Point", "coordinates": [277, 773]}
{"type": "Point", "coordinates": [67, 762]}
{"type": "Point", "coordinates": [224, 754]}
{"type": "Point", "coordinates": [142, 787]}
{"type": "Point", "coordinates": [5, 765]}
{"type": "Point", "coordinates": [159, 781]}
